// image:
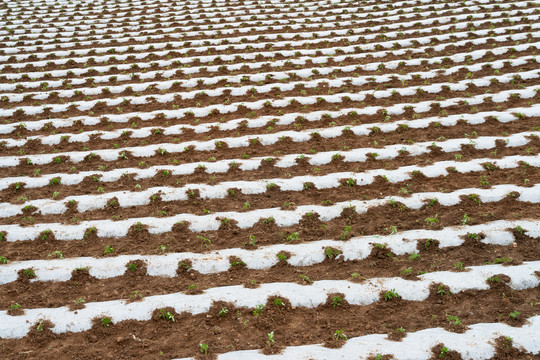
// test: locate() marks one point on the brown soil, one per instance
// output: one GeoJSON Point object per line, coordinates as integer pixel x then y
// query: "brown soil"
{"type": "Point", "coordinates": [255, 149]}
{"type": "Point", "coordinates": [322, 44]}
{"type": "Point", "coordinates": [205, 100]}
{"type": "Point", "coordinates": [226, 328]}
{"type": "Point", "coordinates": [240, 328]}
{"type": "Point", "coordinates": [152, 105]}
{"type": "Point", "coordinates": [380, 263]}
{"type": "Point", "coordinates": [275, 198]}
{"type": "Point", "coordinates": [268, 169]}
{"type": "Point", "coordinates": [168, 38]}
{"type": "Point", "coordinates": [505, 350]}
{"type": "Point", "coordinates": [181, 239]}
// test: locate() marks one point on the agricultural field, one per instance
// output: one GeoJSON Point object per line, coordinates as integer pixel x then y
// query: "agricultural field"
{"type": "Point", "coordinates": [253, 179]}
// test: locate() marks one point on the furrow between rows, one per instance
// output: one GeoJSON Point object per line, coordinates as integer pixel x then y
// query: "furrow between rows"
{"type": "Point", "coordinates": [182, 196]}
{"type": "Point", "coordinates": [16, 61]}
{"type": "Point", "coordinates": [258, 32]}
{"type": "Point", "coordinates": [477, 343]}
{"type": "Point", "coordinates": [164, 62]}
{"type": "Point", "coordinates": [270, 140]}
{"type": "Point", "coordinates": [248, 219]}
{"type": "Point", "coordinates": [522, 277]}
{"type": "Point", "coordinates": [136, 39]}
{"type": "Point", "coordinates": [54, 97]}
{"type": "Point", "coordinates": [394, 148]}
{"type": "Point", "coordinates": [300, 255]}
{"type": "Point", "coordinates": [217, 20]}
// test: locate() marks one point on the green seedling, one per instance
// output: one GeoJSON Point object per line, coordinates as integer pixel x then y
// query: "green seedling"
{"type": "Point", "coordinates": [514, 314]}
{"type": "Point", "coordinates": [392, 229]}
{"type": "Point", "coordinates": [108, 250]}
{"type": "Point", "coordinates": [58, 254]}
{"type": "Point", "coordinates": [475, 198]}
{"type": "Point", "coordinates": [340, 335]}
{"type": "Point", "coordinates": [106, 322]}
{"type": "Point", "coordinates": [391, 294]}
{"type": "Point", "coordinates": [205, 243]}
{"type": "Point", "coordinates": [89, 232]}
{"type": "Point", "coordinates": [270, 339]}
{"type": "Point", "coordinates": [183, 265]}
{"type": "Point", "coordinates": [441, 291]}
{"type": "Point", "coordinates": [79, 301]}
{"type": "Point", "coordinates": [337, 301]}
{"type": "Point", "coordinates": [203, 348]}
{"type": "Point", "coordinates": [238, 263]}
{"type": "Point", "coordinates": [454, 320]}
{"type": "Point", "coordinates": [45, 234]}
{"type": "Point", "coordinates": [132, 267]}
{"type": "Point", "coordinates": [167, 315]}
{"type": "Point", "coordinates": [252, 240]}
{"type": "Point", "coordinates": [258, 310]}
{"type": "Point", "coordinates": [346, 233]}
{"type": "Point", "coordinates": [139, 226]}
{"type": "Point", "coordinates": [281, 257]}
{"type": "Point", "coordinates": [428, 243]}
{"type": "Point", "coordinates": [135, 296]}
{"type": "Point", "coordinates": [432, 220]}
{"type": "Point", "coordinates": [406, 271]}
{"type": "Point", "coordinates": [39, 327]}
{"type": "Point", "coordinates": [331, 253]}
{"type": "Point", "coordinates": [444, 351]}
{"type": "Point", "coordinates": [292, 237]}
{"type": "Point", "coordinates": [55, 181]}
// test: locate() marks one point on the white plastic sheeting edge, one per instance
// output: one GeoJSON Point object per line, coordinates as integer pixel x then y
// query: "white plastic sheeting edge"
{"type": "Point", "coordinates": [304, 254]}
{"type": "Point", "coordinates": [189, 83]}
{"type": "Point", "coordinates": [284, 161]}
{"type": "Point", "coordinates": [283, 218]}
{"type": "Point", "coordinates": [67, 42]}
{"type": "Point", "coordinates": [368, 292]}
{"type": "Point", "coordinates": [477, 343]}
{"type": "Point", "coordinates": [163, 64]}
{"type": "Point", "coordinates": [220, 191]}
{"type": "Point", "coordinates": [297, 136]}
{"type": "Point", "coordinates": [271, 54]}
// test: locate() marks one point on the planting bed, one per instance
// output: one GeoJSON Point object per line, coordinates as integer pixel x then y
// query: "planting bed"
{"type": "Point", "coordinates": [248, 179]}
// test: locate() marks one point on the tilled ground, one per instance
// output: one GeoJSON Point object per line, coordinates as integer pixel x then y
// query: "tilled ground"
{"type": "Point", "coordinates": [204, 178]}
